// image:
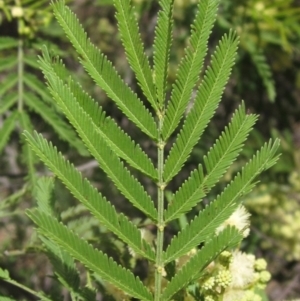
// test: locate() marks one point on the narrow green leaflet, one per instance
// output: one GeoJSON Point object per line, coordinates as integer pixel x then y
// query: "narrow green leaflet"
{"type": "Point", "coordinates": [31, 61]}
{"type": "Point", "coordinates": [206, 102]}
{"type": "Point", "coordinates": [128, 29]}
{"type": "Point", "coordinates": [49, 115]}
{"type": "Point", "coordinates": [6, 129]}
{"type": "Point", "coordinates": [66, 271]}
{"type": "Point", "coordinates": [115, 137]}
{"type": "Point", "coordinates": [162, 45]}
{"type": "Point", "coordinates": [4, 274]}
{"type": "Point", "coordinates": [228, 238]}
{"type": "Point", "coordinates": [8, 101]}
{"type": "Point", "coordinates": [28, 157]}
{"type": "Point", "coordinates": [37, 86]}
{"type": "Point", "coordinates": [219, 210]}
{"type": "Point", "coordinates": [42, 192]}
{"type": "Point", "coordinates": [129, 186]}
{"type": "Point", "coordinates": [7, 43]}
{"type": "Point", "coordinates": [264, 71]}
{"type": "Point", "coordinates": [8, 63]}
{"type": "Point", "coordinates": [93, 259]}
{"type": "Point", "coordinates": [189, 69]}
{"type": "Point", "coordinates": [89, 196]}
{"type": "Point", "coordinates": [216, 162]}
{"type": "Point", "coordinates": [9, 82]}
{"type": "Point", "coordinates": [103, 73]}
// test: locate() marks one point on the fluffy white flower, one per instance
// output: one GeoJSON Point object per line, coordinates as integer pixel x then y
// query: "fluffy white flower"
{"type": "Point", "coordinates": [239, 219]}
{"type": "Point", "coordinates": [233, 295]}
{"type": "Point", "coordinates": [242, 269]}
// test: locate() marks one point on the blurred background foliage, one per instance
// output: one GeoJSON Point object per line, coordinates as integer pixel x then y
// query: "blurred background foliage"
{"type": "Point", "coordinates": [266, 77]}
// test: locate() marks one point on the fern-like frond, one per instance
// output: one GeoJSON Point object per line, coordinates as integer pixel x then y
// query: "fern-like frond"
{"type": "Point", "coordinates": [103, 73]}
{"type": "Point", "coordinates": [8, 63]}
{"type": "Point", "coordinates": [216, 162]}
{"type": "Point", "coordinates": [63, 129]}
{"type": "Point", "coordinates": [213, 215]}
{"type": "Point", "coordinates": [43, 194]}
{"type": "Point", "coordinates": [191, 65]}
{"type": "Point", "coordinates": [7, 128]}
{"type": "Point", "coordinates": [135, 54]}
{"type": "Point", "coordinates": [93, 259]}
{"type": "Point", "coordinates": [264, 70]}
{"type": "Point", "coordinates": [206, 102]}
{"type": "Point", "coordinates": [63, 263]}
{"type": "Point", "coordinates": [9, 82]}
{"type": "Point", "coordinates": [115, 137]}
{"type": "Point", "coordinates": [66, 271]}
{"type": "Point", "coordinates": [7, 43]}
{"type": "Point", "coordinates": [162, 45]}
{"type": "Point", "coordinates": [128, 185]}
{"type": "Point", "coordinates": [89, 196]}
{"type": "Point", "coordinates": [8, 101]}
{"type": "Point", "coordinates": [28, 157]}
{"type": "Point", "coordinates": [228, 238]}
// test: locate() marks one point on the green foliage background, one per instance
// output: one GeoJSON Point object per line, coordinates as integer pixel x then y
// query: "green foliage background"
{"type": "Point", "coordinates": [267, 77]}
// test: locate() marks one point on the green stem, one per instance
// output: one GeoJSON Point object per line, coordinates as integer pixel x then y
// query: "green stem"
{"type": "Point", "coordinates": [20, 75]}
{"type": "Point", "coordinates": [160, 225]}
{"type": "Point", "coordinates": [27, 289]}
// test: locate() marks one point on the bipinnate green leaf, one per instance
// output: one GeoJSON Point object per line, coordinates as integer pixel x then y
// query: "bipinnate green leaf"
{"type": "Point", "coordinates": [230, 237]}
{"type": "Point", "coordinates": [191, 65]}
{"type": "Point", "coordinates": [218, 211]}
{"type": "Point", "coordinates": [7, 43]}
{"type": "Point", "coordinates": [206, 102]}
{"type": "Point", "coordinates": [92, 258]}
{"type": "Point", "coordinates": [162, 45]}
{"type": "Point", "coordinates": [134, 49]}
{"type": "Point", "coordinates": [53, 118]}
{"type": "Point", "coordinates": [216, 162]}
{"type": "Point", "coordinates": [7, 128]}
{"type": "Point", "coordinates": [89, 196]}
{"type": "Point", "coordinates": [115, 137]}
{"type": "Point", "coordinates": [102, 71]}
{"type": "Point", "coordinates": [128, 185]}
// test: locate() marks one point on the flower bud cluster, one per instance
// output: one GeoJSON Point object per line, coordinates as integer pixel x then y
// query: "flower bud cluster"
{"type": "Point", "coordinates": [30, 20]}
{"type": "Point", "coordinates": [234, 276]}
